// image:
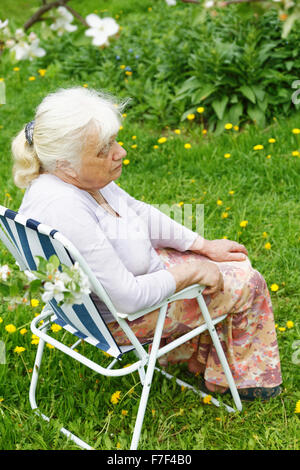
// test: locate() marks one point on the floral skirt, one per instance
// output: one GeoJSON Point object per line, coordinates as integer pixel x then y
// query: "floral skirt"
{"type": "Point", "coordinates": [247, 335]}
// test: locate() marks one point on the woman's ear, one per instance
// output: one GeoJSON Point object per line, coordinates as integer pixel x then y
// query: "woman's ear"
{"type": "Point", "coordinates": [65, 167]}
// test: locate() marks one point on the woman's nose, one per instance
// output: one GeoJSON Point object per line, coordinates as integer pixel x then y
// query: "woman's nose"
{"type": "Point", "coordinates": [121, 153]}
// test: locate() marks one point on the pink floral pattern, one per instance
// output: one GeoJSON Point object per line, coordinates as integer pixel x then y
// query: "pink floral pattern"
{"type": "Point", "coordinates": [247, 335]}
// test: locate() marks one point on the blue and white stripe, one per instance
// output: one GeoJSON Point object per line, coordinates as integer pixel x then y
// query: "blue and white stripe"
{"type": "Point", "coordinates": [27, 238]}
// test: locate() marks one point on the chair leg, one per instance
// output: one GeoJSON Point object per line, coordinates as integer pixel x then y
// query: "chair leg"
{"type": "Point", "coordinates": [220, 352]}
{"type": "Point", "coordinates": [148, 379]}
{"type": "Point", "coordinates": [32, 399]}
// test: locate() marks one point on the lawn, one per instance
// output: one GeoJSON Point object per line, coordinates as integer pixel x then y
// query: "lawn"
{"type": "Point", "coordinates": [235, 181]}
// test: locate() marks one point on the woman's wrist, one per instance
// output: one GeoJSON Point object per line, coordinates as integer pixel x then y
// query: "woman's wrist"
{"type": "Point", "coordinates": [199, 245]}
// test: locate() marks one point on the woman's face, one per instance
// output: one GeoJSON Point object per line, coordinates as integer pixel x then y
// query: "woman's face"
{"type": "Point", "coordinates": [100, 166]}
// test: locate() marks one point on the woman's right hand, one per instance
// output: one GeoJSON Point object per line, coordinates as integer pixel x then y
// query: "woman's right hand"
{"type": "Point", "coordinates": [198, 272]}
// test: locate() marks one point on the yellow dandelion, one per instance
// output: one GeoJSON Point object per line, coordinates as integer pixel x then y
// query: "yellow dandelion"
{"type": "Point", "coordinates": [16, 69]}
{"type": "Point", "coordinates": [258, 147]}
{"type": "Point", "coordinates": [10, 328]}
{"type": "Point", "coordinates": [272, 141]}
{"type": "Point", "coordinates": [264, 234]}
{"type": "Point", "coordinates": [219, 202]}
{"type": "Point", "coordinates": [297, 408]}
{"type": "Point", "coordinates": [244, 223]}
{"type": "Point", "coordinates": [207, 399]}
{"type": "Point", "coordinates": [231, 192]}
{"type": "Point", "coordinates": [19, 349]}
{"type": "Point", "coordinates": [34, 302]}
{"type": "Point", "coordinates": [31, 79]}
{"type": "Point", "coordinates": [296, 153]}
{"type": "Point", "coordinates": [50, 346]}
{"type": "Point", "coordinates": [162, 140]}
{"type": "Point", "coordinates": [85, 85]}
{"type": "Point", "coordinates": [126, 161]}
{"type": "Point", "coordinates": [218, 419]}
{"type": "Point", "coordinates": [268, 246]}
{"type": "Point", "coordinates": [200, 110]}
{"type": "Point", "coordinates": [124, 115]}
{"type": "Point", "coordinates": [224, 215]}
{"type": "Point", "coordinates": [121, 143]}
{"type": "Point", "coordinates": [121, 128]}
{"type": "Point", "coordinates": [133, 137]}
{"type": "Point", "coordinates": [1, 319]}
{"type": "Point", "coordinates": [227, 155]}
{"type": "Point", "coordinates": [290, 324]}
{"type": "Point", "coordinates": [124, 412]}
{"type": "Point", "coordinates": [177, 131]}
{"type": "Point", "coordinates": [190, 117]}
{"type": "Point", "coordinates": [128, 72]}
{"type": "Point", "coordinates": [187, 146]}
{"type": "Point", "coordinates": [204, 132]}
{"type": "Point", "coordinates": [155, 146]}
{"type": "Point", "coordinates": [55, 327]}
{"type": "Point", "coordinates": [122, 67]}
{"type": "Point", "coordinates": [115, 398]}
{"type": "Point", "coordinates": [281, 328]}
{"type": "Point", "coordinates": [1, 399]}
{"type": "Point", "coordinates": [274, 287]}
{"type": "Point", "coordinates": [42, 73]}
{"type": "Point", "coordinates": [23, 331]}
{"type": "Point", "coordinates": [35, 339]}
{"type": "Point", "coordinates": [236, 128]}
{"type": "Point", "coordinates": [134, 146]}
{"type": "Point", "coordinates": [268, 156]}
{"type": "Point", "coordinates": [180, 204]}
{"type": "Point", "coordinates": [228, 126]}
{"type": "Point", "coordinates": [153, 412]}
{"type": "Point", "coordinates": [296, 131]}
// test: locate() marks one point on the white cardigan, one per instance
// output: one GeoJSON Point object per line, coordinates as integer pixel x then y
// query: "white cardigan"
{"type": "Point", "coordinates": [119, 250]}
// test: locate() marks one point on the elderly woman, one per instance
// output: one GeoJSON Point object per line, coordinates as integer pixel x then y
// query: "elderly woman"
{"type": "Point", "coordinates": [68, 158]}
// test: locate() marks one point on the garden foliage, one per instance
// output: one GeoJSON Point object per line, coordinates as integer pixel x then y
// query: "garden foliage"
{"type": "Point", "coordinates": [236, 66]}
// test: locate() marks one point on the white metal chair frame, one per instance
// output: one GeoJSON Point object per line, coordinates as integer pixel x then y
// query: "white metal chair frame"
{"type": "Point", "coordinates": [146, 363]}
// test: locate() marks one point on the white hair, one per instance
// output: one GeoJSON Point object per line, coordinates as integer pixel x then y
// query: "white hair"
{"type": "Point", "coordinates": [62, 122]}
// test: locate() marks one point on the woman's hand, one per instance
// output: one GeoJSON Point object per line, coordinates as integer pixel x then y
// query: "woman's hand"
{"type": "Point", "coordinates": [220, 250]}
{"type": "Point", "coordinates": [198, 272]}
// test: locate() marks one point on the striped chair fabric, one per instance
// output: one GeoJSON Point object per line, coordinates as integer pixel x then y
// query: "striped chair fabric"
{"type": "Point", "coordinates": [27, 238]}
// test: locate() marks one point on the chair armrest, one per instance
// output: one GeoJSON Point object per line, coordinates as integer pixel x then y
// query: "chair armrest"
{"type": "Point", "coordinates": [188, 293]}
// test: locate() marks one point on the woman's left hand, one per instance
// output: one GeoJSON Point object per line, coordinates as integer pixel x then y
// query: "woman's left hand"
{"type": "Point", "coordinates": [221, 250]}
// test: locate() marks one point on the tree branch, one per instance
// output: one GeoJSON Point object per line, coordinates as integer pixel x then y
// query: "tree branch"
{"type": "Point", "coordinates": [229, 2]}
{"type": "Point", "coordinates": [42, 10]}
{"type": "Point", "coordinates": [79, 17]}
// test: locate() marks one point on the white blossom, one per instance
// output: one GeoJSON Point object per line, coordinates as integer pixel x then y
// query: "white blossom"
{"type": "Point", "coordinates": [209, 3]}
{"type": "Point", "coordinates": [23, 50]}
{"type": "Point", "coordinates": [53, 290]}
{"type": "Point", "coordinates": [4, 272]}
{"type": "Point", "coordinates": [101, 29]}
{"type": "Point", "coordinates": [171, 3]}
{"type": "Point", "coordinates": [3, 24]}
{"type": "Point", "coordinates": [63, 22]}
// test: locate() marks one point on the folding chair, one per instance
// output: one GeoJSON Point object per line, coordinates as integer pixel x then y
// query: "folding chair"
{"type": "Point", "coordinates": [27, 238]}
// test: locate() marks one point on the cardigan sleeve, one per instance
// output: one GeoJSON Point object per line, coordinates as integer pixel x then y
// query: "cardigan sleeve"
{"type": "Point", "coordinates": [129, 293]}
{"type": "Point", "coordinates": [163, 230]}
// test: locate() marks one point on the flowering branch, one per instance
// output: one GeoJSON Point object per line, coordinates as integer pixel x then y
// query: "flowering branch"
{"type": "Point", "coordinates": [51, 280]}
{"type": "Point", "coordinates": [38, 15]}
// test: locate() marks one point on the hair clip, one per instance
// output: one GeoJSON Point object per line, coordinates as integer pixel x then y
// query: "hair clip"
{"type": "Point", "coordinates": [29, 132]}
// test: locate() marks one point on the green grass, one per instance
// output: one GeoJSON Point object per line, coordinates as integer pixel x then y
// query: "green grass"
{"type": "Point", "coordinates": [266, 193]}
